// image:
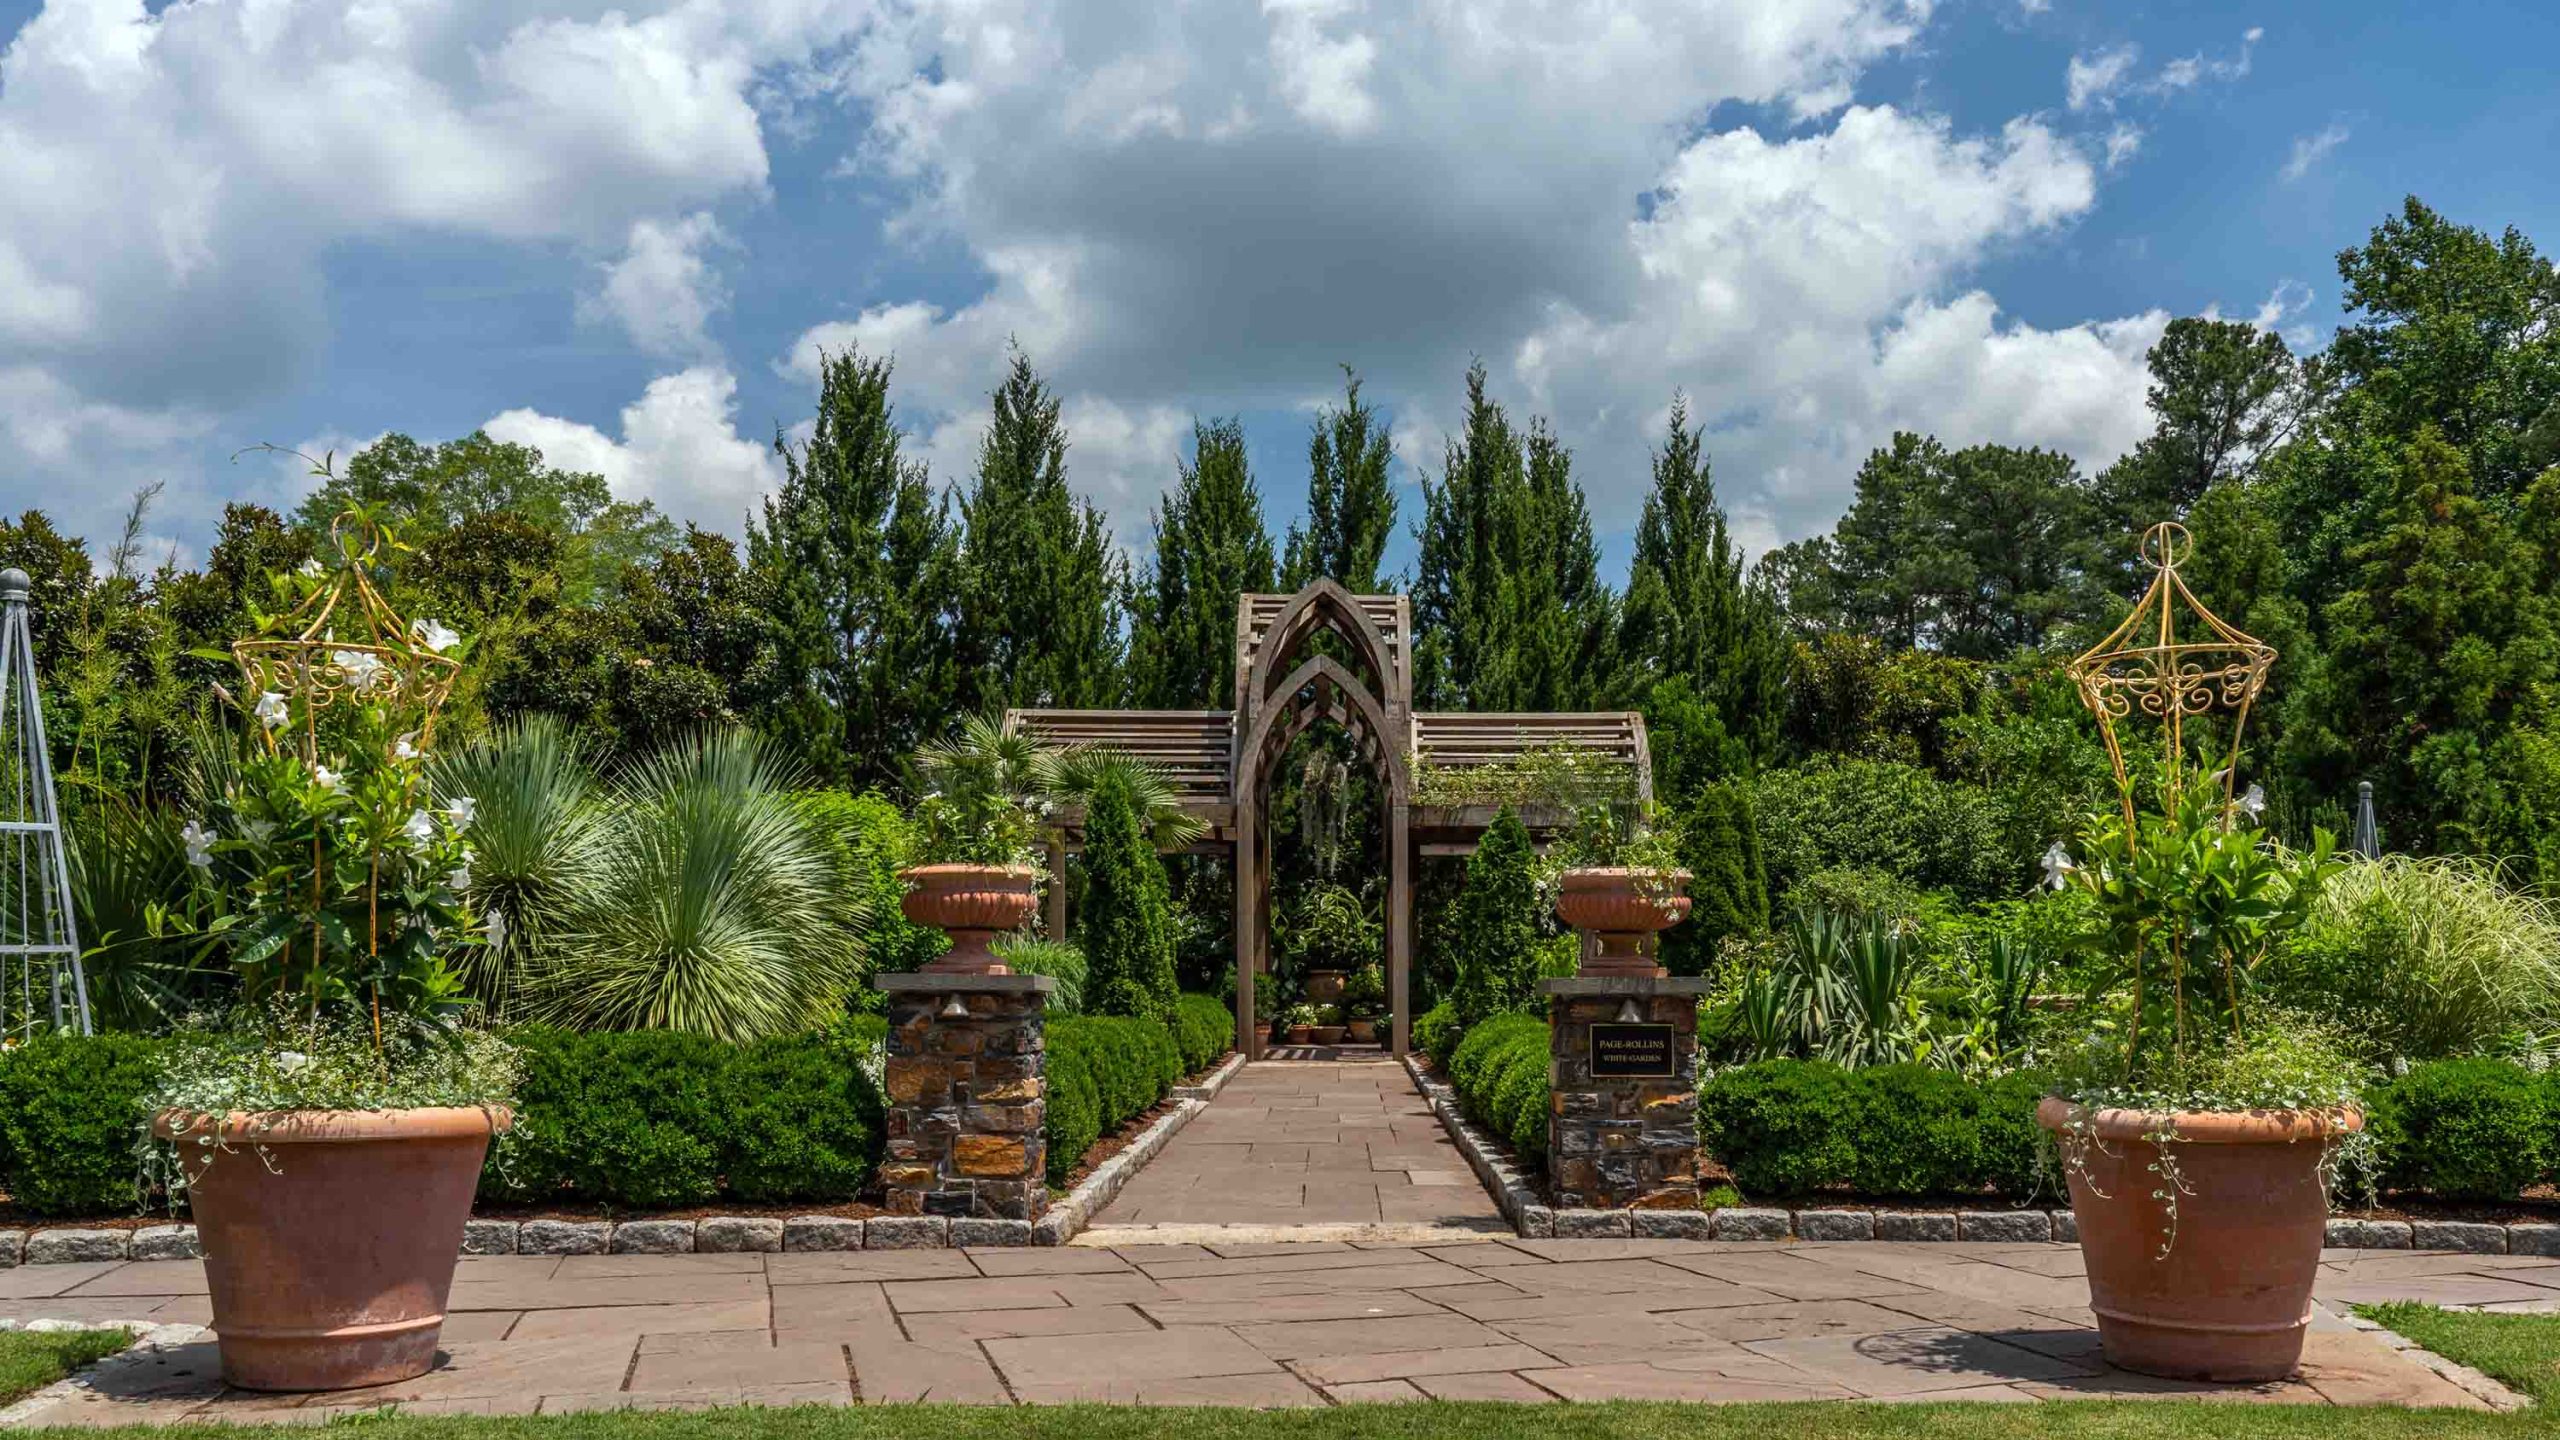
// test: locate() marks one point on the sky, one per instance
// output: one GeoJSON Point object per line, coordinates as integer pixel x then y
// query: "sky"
{"type": "Point", "coordinates": [624, 230]}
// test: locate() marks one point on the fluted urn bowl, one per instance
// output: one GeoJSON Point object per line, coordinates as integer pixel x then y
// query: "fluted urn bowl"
{"type": "Point", "coordinates": [973, 904]}
{"type": "Point", "coordinates": [1623, 911]}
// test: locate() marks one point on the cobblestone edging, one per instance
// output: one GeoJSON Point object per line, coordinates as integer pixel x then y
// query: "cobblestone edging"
{"type": "Point", "coordinates": [716, 1234]}
{"type": "Point", "coordinates": [1513, 1190]}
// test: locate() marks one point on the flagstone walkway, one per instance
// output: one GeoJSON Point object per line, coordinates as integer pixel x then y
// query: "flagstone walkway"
{"type": "Point", "coordinates": [1308, 1142]}
{"type": "Point", "coordinates": [1262, 1324]}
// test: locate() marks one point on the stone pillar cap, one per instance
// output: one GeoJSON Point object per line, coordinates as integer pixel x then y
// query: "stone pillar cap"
{"type": "Point", "coordinates": [1629, 985]}
{"type": "Point", "coordinates": [923, 984]}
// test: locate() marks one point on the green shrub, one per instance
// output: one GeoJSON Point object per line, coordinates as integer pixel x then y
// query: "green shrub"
{"type": "Point", "coordinates": [1074, 1119]}
{"type": "Point", "coordinates": [1881, 815]}
{"type": "Point", "coordinates": [1204, 1029]}
{"type": "Point", "coordinates": [1126, 1065]}
{"type": "Point", "coordinates": [1794, 1127]}
{"type": "Point", "coordinates": [2013, 1144]}
{"type": "Point", "coordinates": [1500, 1073]}
{"type": "Point", "coordinates": [1500, 921]}
{"type": "Point", "coordinates": [1061, 962]}
{"type": "Point", "coordinates": [1783, 1127]}
{"type": "Point", "coordinates": [1919, 1131]}
{"type": "Point", "coordinates": [1729, 888]}
{"type": "Point", "coordinates": [2463, 1129]}
{"type": "Point", "coordinates": [656, 1118]}
{"type": "Point", "coordinates": [2425, 958]}
{"type": "Point", "coordinates": [1128, 917]}
{"type": "Point", "coordinates": [1435, 1033]}
{"type": "Point", "coordinates": [71, 1122]}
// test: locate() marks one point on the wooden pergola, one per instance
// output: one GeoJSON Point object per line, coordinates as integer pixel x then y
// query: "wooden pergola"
{"type": "Point", "coordinates": [1323, 654]}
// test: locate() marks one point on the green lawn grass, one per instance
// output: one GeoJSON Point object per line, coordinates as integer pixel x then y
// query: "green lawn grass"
{"type": "Point", "coordinates": [2078, 1420]}
{"type": "Point", "coordinates": [2521, 1352]}
{"type": "Point", "coordinates": [30, 1361]}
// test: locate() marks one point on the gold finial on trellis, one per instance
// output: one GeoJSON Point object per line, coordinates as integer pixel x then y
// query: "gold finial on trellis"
{"type": "Point", "coordinates": [2143, 666]}
{"type": "Point", "coordinates": [301, 656]}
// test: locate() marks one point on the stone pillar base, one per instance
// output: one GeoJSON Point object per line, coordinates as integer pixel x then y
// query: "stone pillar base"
{"type": "Point", "coordinates": [965, 1096]}
{"type": "Point", "coordinates": [1623, 1140]}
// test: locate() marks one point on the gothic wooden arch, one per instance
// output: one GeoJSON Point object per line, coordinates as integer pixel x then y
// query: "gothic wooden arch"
{"type": "Point", "coordinates": [1219, 761]}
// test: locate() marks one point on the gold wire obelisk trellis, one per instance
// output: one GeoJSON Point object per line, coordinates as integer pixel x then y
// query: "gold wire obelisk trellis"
{"type": "Point", "coordinates": [302, 661]}
{"type": "Point", "coordinates": [2144, 666]}
{"type": "Point", "coordinates": [42, 985]}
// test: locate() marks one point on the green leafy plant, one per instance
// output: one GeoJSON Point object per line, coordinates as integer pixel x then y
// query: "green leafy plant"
{"type": "Point", "coordinates": [1062, 962]}
{"type": "Point", "coordinates": [1547, 777]}
{"type": "Point", "coordinates": [71, 1117]}
{"type": "Point", "coordinates": [982, 802]}
{"type": "Point", "coordinates": [539, 845]}
{"type": "Point", "coordinates": [1331, 929]}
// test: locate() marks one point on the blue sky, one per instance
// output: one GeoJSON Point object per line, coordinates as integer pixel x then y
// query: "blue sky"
{"type": "Point", "coordinates": [613, 232]}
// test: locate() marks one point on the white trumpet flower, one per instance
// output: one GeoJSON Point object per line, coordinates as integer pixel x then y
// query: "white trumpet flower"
{"type": "Point", "coordinates": [2058, 866]}
{"type": "Point", "coordinates": [199, 842]}
{"type": "Point", "coordinates": [272, 711]}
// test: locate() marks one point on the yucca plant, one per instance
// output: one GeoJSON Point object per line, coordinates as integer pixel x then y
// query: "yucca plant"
{"type": "Point", "coordinates": [717, 908]}
{"type": "Point", "coordinates": [540, 843]}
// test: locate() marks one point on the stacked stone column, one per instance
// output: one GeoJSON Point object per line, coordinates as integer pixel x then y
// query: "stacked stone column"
{"type": "Point", "coordinates": [965, 1098]}
{"type": "Point", "coordinates": [1622, 1142]}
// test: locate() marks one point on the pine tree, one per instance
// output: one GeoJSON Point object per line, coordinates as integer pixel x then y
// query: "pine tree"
{"type": "Point", "coordinates": [1729, 887]}
{"type": "Point", "coordinates": [1508, 602]}
{"type": "Point", "coordinates": [1041, 580]}
{"type": "Point", "coordinates": [1351, 509]}
{"type": "Point", "coordinates": [1128, 919]}
{"type": "Point", "coordinates": [1692, 613]}
{"type": "Point", "coordinates": [1498, 925]}
{"type": "Point", "coordinates": [862, 564]}
{"type": "Point", "coordinates": [1210, 547]}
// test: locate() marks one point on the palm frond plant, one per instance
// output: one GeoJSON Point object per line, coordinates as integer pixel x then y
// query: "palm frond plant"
{"type": "Point", "coordinates": [982, 801]}
{"type": "Point", "coordinates": [126, 858]}
{"type": "Point", "coordinates": [539, 842]}
{"type": "Point", "coordinates": [1070, 777]}
{"type": "Point", "coordinates": [717, 907]}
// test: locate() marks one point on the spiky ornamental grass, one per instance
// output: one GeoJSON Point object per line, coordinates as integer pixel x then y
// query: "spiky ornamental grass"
{"type": "Point", "coordinates": [716, 908]}
{"type": "Point", "coordinates": [540, 841]}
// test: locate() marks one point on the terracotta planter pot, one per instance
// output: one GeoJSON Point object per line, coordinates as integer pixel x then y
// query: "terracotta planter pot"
{"type": "Point", "coordinates": [2231, 1300]}
{"type": "Point", "coordinates": [331, 1256]}
{"type": "Point", "coordinates": [1361, 1032]}
{"type": "Point", "coordinates": [1621, 916]}
{"type": "Point", "coordinates": [973, 904]}
{"type": "Point", "coordinates": [1324, 987]}
{"type": "Point", "coordinates": [1330, 1034]}
{"type": "Point", "coordinates": [1302, 1034]}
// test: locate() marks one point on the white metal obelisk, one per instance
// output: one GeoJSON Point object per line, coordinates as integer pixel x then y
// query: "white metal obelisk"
{"type": "Point", "coordinates": [42, 987]}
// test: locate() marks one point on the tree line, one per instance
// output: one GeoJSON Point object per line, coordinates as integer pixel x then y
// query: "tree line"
{"type": "Point", "coordinates": [2385, 511]}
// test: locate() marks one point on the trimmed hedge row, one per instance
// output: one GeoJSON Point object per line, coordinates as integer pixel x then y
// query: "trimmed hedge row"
{"type": "Point", "coordinates": [1204, 1028]}
{"type": "Point", "coordinates": [1103, 1071]}
{"type": "Point", "coordinates": [1500, 1073]}
{"type": "Point", "coordinates": [656, 1119]}
{"type": "Point", "coordinates": [1436, 1033]}
{"type": "Point", "coordinates": [71, 1121]}
{"type": "Point", "coordinates": [1792, 1127]}
{"type": "Point", "coordinates": [2466, 1129]}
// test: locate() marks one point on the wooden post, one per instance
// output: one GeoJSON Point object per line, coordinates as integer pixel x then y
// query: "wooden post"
{"type": "Point", "coordinates": [1248, 922]}
{"type": "Point", "coordinates": [1399, 927]}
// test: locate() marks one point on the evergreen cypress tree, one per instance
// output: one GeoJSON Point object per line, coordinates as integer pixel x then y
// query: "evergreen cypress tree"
{"type": "Point", "coordinates": [1498, 925]}
{"type": "Point", "coordinates": [1041, 581]}
{"type": "Point", "coordinates": [1128, 918]}
{"type": "Point", "coordinates": [1351, 509]}
{"type": "Point", "coordinates": [1210, 547]}
{"type": "Point", "coordinates": [1729, 888]}
{"type": "Point", "coordinates": [861, 562]}
{"type": "Point", "coordinates": [1507, 596]}
{"type": "Point", "coordinates": [1692, 614]}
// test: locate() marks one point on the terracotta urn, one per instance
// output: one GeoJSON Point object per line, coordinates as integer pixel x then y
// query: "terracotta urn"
{"type": "Point", "coordinates": [973, 904]}
{"type": "Point", "coordinates": [2231, 1298]}
{"type": "Point", "coordinates": [330, 1236]}
{"type": "Point", "coordinates": [1324, 987]}
{"type": "Point", "coordinates": [1623, 912]}
{"type": "Point", "coordinates": [1302, 1034]}
{"type": "Point", "coordinates": [1362, 1031]}
{"type": "Point", "coordinates": [1329, 1034]}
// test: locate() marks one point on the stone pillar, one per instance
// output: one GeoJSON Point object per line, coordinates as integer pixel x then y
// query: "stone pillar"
{"type": "Point", "coordinates": [965, 1098]}
{"type": "Point", "coordinates": [1622, 1118]}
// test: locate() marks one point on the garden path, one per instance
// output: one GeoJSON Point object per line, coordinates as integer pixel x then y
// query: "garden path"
{"type": "Point", "coordinates": [1262, 1325]}
{"type": "Point", "coordinates": [1335, 1143]}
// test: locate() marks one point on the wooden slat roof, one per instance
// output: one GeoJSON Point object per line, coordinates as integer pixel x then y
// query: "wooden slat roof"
{"type": "Point", "coordinates": [1194, 748]}
{"type": "Point", "coordinates": [1453, 740]}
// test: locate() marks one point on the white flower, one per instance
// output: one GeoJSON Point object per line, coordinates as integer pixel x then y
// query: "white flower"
{"type": "Point", "coordinates": [199, 845]}
{"type": "Point", "coordinates": [403, 748]}
{"type": "Point", "coordinates": [2057, 864]}
{"type": "Point", "coordinates": [459, 877]}
{"type": "Point", "coordinates": [310, 568]}
{"type": "Point", "coordinates": [421, 827]}
{"type": "Point", "coordinates": [364, 669]}
{"type": "Point", "coordinates": [461, 811]}
{"type": "Point", "coordinates": [434, 635]}
{"type": "Point", "coordinates": [290, 1061]}
{"type": "Point", "coordinates": [497, 930]}
{"type": "Point", "coordinates": [271, 709]}
{"type": "Point", "coordinates": [326, 778]}
{"type": "Point", "coordinates": [2253, 803]}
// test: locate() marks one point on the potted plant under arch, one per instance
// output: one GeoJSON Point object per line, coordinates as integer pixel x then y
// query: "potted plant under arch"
{"type": "Point", "coordinates": [2198, 1129]}
{"type": "Point", "coordinates": [329, 1134]}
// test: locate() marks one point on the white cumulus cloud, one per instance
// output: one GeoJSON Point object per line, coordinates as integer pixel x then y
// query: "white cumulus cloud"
{"type": "Point", "coordinates": [679, 447]}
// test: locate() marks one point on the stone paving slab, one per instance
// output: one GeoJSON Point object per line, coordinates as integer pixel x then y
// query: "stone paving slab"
{"type": "Point", "coordinates": [1262, 1323]}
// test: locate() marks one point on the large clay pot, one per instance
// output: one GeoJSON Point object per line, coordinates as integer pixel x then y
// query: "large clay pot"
{"type": "Point", "coordinates": [330, 1236]}
{"type": "Point", "coordinates": [1328, 1034]}
{"type": "Point", "coordinates": [1361, 1032]}
{"type": "Point", "coordinates": [1622, 913]}
{"type": "Point", "coordinates": [1324, 987]}
{"type": "Point", "coordinates": [2231, 1300]}
{"type": "Point", "coordinates": [973, 904]}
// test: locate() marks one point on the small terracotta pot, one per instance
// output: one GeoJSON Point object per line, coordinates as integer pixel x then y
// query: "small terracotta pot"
{"type": "Point", "coordinates": [330, 1256]}
{"type": "Point", "coordinates": [1329, 1034]}
{"type": "Point", "coordinates": [1302, 1034]}
{"type": "Point", "coordinates": [2231, 1300]}
{"type": "Point", "coordinates": [973, 904]}
{"type": "Point", "coordinates": [1611, 906]}
{"type": "Point", "coordinates": [1361, 1032]}
{"type": "Point", "coordinates": [1324, 987]}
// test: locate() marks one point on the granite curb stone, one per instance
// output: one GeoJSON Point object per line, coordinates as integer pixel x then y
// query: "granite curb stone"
{"type": "Point", "coordinates": [738, 1235]}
